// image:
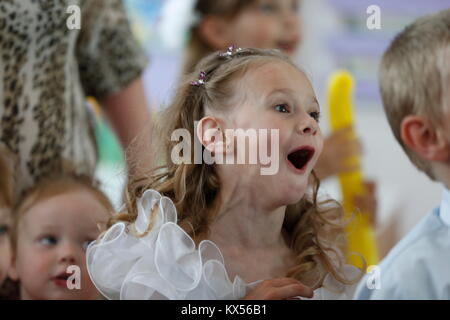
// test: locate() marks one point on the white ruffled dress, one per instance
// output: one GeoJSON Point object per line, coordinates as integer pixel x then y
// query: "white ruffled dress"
{"type": "Point", "coordinates": [166, 264]}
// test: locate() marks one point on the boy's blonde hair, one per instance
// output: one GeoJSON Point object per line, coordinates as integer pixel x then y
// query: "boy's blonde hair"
{"type": "Point", "coordinates": [315, 230]}
{"type": "Point", "coordinates": [415, 76]}
{"type": "Point", "coordinates": [50, 187]}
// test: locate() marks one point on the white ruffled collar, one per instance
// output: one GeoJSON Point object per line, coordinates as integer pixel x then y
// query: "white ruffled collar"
{"type": "Point", "coordinates": [166, 264]}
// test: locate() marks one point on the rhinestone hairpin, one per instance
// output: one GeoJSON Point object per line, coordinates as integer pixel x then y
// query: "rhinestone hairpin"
{"type": "Point", "coordinates": [201, 80]}
{"type": "Point", "coordinates": [230, 52]}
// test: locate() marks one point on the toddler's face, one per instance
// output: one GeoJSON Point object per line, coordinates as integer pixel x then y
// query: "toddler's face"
{"type": "Point", "coordinates": [53, 235]}
{"type": "Point", "coordinates": [269, 24]}
{"type": "Point", "coordinates": [276, 95]}
{"type": "Point", "coordinates": [5, 250]}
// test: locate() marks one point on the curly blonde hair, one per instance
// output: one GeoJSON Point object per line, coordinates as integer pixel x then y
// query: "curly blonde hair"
{"type": "Point", "coordinates": [316, 230]}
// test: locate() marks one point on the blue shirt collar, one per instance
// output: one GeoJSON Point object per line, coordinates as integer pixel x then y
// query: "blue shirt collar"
{"type": "Point", "coordinates": [445, 207]}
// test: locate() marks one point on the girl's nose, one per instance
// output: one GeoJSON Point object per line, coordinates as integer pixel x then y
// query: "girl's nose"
{"type": "Point", "coordinates": [290, 20]}
{"type": "Point", "coordinates": [68, 254]}
{"type": "Point", "coordinates": [307, 127]}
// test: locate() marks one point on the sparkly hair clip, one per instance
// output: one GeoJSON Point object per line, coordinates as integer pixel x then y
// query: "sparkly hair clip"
{"type": "Point", "coordinates": [230, 52]}
{"type": "Point", "coordinates": [201, 80]}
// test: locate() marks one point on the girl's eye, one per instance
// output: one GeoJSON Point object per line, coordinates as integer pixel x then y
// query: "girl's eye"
{"type": "Point", "coordinates": [315, 115]}
{"type": "Point", "coordinates": [268, 7]}
{"type": "Point", "coordinates": [48, 240]}
{"type": "Point", "coordinates": [4, 229]}
{"type": "Point", "coordinates": [282, 108]}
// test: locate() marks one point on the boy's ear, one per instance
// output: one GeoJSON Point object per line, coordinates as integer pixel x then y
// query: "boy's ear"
{"type": "Point", "coordinates": [215, 32]}
{"type": "Point", "coordinates": [210, 134]}
{"type": "Point", "coordinates": [424, 139]}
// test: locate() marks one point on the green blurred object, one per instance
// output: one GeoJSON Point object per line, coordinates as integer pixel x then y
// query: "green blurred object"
{"type": "Point", "coordinates": [108, 147]}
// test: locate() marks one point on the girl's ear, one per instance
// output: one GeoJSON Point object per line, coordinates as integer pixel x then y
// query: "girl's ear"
{"type": "Point", "coordinates": [424, 139]}
{"type": "Point", "coordinates": [215, 32]}
{"type": "Point", "coordinates": [210, 134]}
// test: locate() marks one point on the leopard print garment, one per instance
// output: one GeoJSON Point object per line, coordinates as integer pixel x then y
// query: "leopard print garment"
{"type": "Point", "coordinates": [47, 70]}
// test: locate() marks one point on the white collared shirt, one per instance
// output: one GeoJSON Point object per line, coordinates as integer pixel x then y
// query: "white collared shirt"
{"type": "Point", "coordinates": [418, 267]}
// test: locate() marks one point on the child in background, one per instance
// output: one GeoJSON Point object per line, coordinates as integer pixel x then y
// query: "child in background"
{"type": "Point", "coordinates": [267, 24]}
{"type": "Point", "coordinates": [415, 87]}
{"type": "Point", "coordinates": [52, 227]}
{"type": "Point", "coordinates": [225, 231]}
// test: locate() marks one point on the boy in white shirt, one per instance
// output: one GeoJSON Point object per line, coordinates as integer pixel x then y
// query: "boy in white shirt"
{"type": "Point", "coordinates": [415, 87]}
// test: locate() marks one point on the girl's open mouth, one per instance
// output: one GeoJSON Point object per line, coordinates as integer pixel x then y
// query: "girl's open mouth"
{"type": "Point", "coordinates": [301, 157]}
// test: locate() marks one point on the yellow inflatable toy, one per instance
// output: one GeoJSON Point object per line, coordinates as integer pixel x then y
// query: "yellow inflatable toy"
{"type": "Point", "coordinates": [361, 239]}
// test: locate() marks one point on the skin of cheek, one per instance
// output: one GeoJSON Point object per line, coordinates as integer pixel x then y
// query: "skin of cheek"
{"type": "Point", "coordinates": [32, 265]}
{"type": "Point", "coordinates": [288, 193]}
{"type": "Point", "coordinates": [243, 117]}
{"type": "Point", "coordinates": [87, 285]}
